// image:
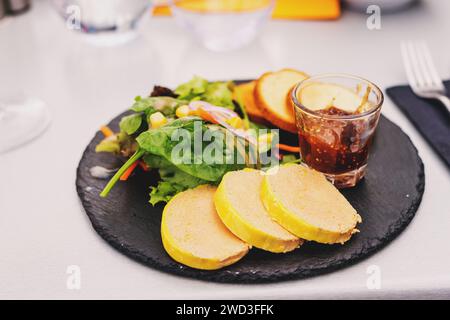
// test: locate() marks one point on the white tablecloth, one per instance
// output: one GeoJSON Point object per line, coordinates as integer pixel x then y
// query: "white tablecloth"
{"type": "Point", "coordinates": [43, 228]}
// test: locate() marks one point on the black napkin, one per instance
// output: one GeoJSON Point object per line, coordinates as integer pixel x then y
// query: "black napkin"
{"type": "Point", "coordinates": [429, 116]}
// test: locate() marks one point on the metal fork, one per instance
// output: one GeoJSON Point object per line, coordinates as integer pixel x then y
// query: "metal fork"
{"type": "Point", "coordinates": [421, 72]}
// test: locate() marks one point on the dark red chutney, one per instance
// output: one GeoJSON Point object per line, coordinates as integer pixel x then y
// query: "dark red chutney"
{"type": "Point", "coordinates": [335, 145]}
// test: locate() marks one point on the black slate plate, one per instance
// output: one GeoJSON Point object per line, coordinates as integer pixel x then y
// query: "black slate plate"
{"type": "Point", "coordinates": [387, 200]}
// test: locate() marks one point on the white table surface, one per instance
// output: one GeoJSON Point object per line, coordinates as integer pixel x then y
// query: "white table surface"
{"type": "Point", "coordinates": [43, 228]}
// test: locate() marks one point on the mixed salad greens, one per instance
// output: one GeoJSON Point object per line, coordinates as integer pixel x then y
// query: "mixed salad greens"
{"type": "Point", "coordinates": [146, 137]}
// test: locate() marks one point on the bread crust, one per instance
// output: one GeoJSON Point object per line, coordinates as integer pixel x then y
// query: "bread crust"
{"type": "Point", "coordinates": [269, 114]}
{"type": "Point", "coordinates": [253, 110]}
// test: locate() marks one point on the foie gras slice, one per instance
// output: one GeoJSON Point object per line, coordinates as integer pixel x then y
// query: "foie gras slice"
{"type": "Point", "coordinates": [239, 205]}
{"type": "Point", "coordinates": [304, 202]}
{"type": "Point", "coordinates": [193, 234]}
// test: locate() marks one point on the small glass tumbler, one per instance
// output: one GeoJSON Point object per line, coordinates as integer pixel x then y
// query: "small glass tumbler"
{"type": "Point", "coordinates": [104, 22]}
{"type": "Point", "coordinates": [335, 139]}
{"type": "Point", "coordinates": [222, 25]}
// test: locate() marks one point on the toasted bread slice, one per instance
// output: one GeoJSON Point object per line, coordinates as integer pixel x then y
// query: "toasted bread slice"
{"type": "Point", "coordinates": [304, 202]}
{"type": "Point", "coordinates": [239, 205]}
{"type": "Point", "coordinates": [193, 234]}
{"type": "Point", "coordinates": [244, 94]}
{"type": "Point", "coordinates": [271, 95]}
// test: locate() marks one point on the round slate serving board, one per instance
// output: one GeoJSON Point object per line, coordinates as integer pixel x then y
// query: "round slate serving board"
{"type": "Point", "coordinates": [387, 200]}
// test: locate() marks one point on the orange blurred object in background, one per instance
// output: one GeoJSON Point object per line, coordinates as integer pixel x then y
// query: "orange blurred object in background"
{"type": "Point", "coordinates": [284, 9]}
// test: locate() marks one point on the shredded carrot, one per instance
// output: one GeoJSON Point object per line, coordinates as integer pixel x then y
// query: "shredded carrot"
{"type": "Point", "coordinates": [107, 132]}
{"type": "Point", "coordinates": [143, 165]}
{"type": "Point", "coordinates": [287, 148]}
{"type": "Point", "coordinates": [205, 115]}
{"type": "Point", "coordinates": [128, 172]}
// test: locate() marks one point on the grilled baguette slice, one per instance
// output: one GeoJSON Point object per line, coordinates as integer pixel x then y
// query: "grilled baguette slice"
{"type": "Point", "coordinates": [244, 94]}
{"type": "Point", "coordinates": [271, 95]}
{"type": "Point", "coordinates": [307, 205]}
{"type": "Point", "coordinates": [239, 205]}
{"type": "Point", "coordinates": [193, 234]}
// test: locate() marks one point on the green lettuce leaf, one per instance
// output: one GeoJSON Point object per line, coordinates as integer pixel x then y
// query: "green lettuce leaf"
{"type": "Point", "coordinates": [219, 94]}
{"type": "Point", "coordinates": [191, 89]}
{"type": "Point", "coordinates": [130, 124]}
{"type": "Point", "coordinates": [290, 158]}
{"type": "Point", "coordinates": [163, 192]}
{"type": "Point", "coordinates": [111, 145]}
{"type": "Point", "coordinates": [216, 93]}
{"type": "Point", "coordinates": [172, 180]}
{"type": "Point", "coordinates": [119, 143]}
{"type": "Point", "coordinates": [165, 105]}
{"type": "Point", "coordinates": [159, 142]}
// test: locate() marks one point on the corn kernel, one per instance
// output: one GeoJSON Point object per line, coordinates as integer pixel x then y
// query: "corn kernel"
{"type": "Point", "coordinates": [157, 120]}
{"type": "Point", "coordinates": [265, 142]}
{"type": "Point", "coordinates": [235, 122]}
{"type": "Point", "coordinates": [182, 111]}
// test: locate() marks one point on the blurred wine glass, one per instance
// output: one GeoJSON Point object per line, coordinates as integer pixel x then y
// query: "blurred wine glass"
{"type": "Point", "coordinates": [222, 25]}
{"type": "Point", "coordinates": [22, 118]}
{"type": "Point", "coordinates": [104, 22]}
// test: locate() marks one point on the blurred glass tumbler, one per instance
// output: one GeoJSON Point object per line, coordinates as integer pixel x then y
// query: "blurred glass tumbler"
{"type": "Point", "coordinates": [105, 22]}
{"type": "Point", "coordinates": [333, 141]}
{"type": "Point", "coordinates": [385, 5]}
{"type": "Point", "coordinates": [2, 9]}
{"type": "Point", "coordinates": [16, 6]}
{"type": "Point", "coordinates": [222, 25]}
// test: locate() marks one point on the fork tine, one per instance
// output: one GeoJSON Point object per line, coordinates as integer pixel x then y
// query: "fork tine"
{"type": "Point", "coordinates": [422, 64]}
{"type": "Point", "coordinates": [436, 80]}
{"type": "Point", "coordinates": [408, 65]}
{"type": "Point", "coordinates": [415, 64]}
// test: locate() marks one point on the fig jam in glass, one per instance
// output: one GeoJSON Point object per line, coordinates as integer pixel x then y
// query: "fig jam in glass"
{"type": "Point", "coordinates": [336, 117]}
